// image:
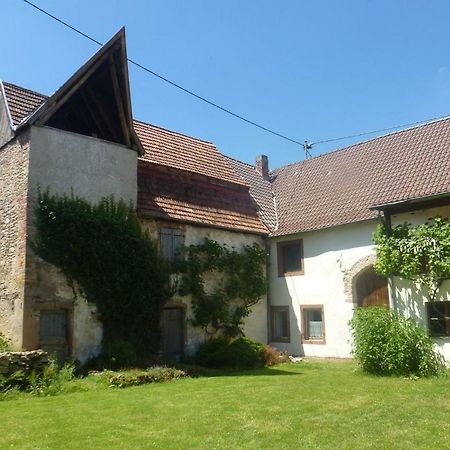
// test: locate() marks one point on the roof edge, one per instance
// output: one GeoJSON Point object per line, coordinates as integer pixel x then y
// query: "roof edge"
{"type": "Point", "coordinates": [8, 112]}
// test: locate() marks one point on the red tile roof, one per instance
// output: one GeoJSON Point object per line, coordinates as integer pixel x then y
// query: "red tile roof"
{"type": "Point", "coordinates": [168, 148]}
{"type": "Point", "coordinates": [260, 190]}
{"type": "Point", "coordinates": [172, 194]}
{"type": "Point", "coordinates": [21, 102]}
{"type": "Point", "coordinates": [339, 187]}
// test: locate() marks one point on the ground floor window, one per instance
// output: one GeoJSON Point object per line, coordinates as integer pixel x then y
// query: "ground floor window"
{"type": "Point", "coordinates": [313, 328]}
{"type": "Point", "coordinates": [280, 324]}
{"type": "Point", "coordinates": [438, 318]}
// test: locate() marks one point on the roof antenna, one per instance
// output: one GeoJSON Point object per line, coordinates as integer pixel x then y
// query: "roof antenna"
{"type": "Point", "coordinates": [307, 147]}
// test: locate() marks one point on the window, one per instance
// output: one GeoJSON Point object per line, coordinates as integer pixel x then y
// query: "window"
{"type": "Point", "coordinates": [171, 241]}
{"type": "Point", "coordinates": [280, 324]}
{"type": "Point", "coordinates": [290, 258]}
{"type": "Point", "coordinates": [313, 324]}
{"type": "Point", "coordinates": [438, 318]}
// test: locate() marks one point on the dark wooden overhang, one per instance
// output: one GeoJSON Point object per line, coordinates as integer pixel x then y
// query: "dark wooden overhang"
{"type": "Point", "coordinates": [413, 204]}
{"type": "Point", "coordinates": [95, 100]}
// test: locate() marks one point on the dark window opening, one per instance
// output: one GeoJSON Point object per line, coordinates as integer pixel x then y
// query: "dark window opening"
{"type": "Point", "coordinates": [290, 258]}
{"type": "Point", "coordinates": [280, 324]}
{"type": "Point", "coordinates": [438, 318]}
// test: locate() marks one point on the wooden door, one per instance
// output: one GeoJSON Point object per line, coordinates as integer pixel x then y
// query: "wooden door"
{"type": "Point", "coordinates": [371, 289]}
{"type": "Point", "coordinates": [173, 333]}
{"type": "Point", "coordinates": [53, 333]}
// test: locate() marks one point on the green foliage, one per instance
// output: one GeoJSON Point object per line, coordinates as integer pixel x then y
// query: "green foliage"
{"type": "Point", "coordinates": [239, 282]}
{"type": "Point", "coordinates": [4, 344]}
{"type": "Point", "coordinates": [137, 377]}
{"type": "Point", "coordinates": [221, 352]}
{"type": "Point", "coordinates": [386, 343]}
{"type": "Point", "coordinates": [103, 249]}
{"type": "Point", "coordinates": [420, 253]}
{"type": "Point", "coordinates": [50, 381]}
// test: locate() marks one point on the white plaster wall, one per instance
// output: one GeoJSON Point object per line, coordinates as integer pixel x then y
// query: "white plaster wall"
{"type": "Point", "coordinates": [92, 168]}
{"type": "Point", "coordinates": [329, 255]}
{"type": "Point", "coordinates": [409, 298]}
{"type": "Point", "coordinates": [255, 325]}
{"type": "Point", "coordinates": [87, 331]}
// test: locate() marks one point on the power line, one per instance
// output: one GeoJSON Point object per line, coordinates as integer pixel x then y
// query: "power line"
{"type": "Point", "coordinates": [178, 86]}
{"type": "Point", "coordinates": [306, 145]}
{"type": "Point", "coordinates": [381, 130]}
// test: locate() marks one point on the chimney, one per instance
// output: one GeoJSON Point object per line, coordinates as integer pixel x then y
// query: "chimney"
{"type": "Point", "coordinates": [262, 166]}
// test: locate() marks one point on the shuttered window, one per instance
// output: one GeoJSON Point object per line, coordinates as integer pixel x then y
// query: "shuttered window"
{"type": "Point", "coordinates": [171, 241]}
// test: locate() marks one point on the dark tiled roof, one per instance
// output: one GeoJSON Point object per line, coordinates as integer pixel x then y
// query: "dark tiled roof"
{"type": "Point", "coordinates": [339, 187]}
{"type": "Point", "coordinates": [260, 190]}
{"type": "Point", "coordinates": [168, 148]}
{"type": "Point", "coordinates": [21, 102]}
{"type": "Point", "coordinates": [173, 194]}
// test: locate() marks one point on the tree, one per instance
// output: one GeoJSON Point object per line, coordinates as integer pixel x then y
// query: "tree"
{"type": "Point", "coordinates": [419, 253]}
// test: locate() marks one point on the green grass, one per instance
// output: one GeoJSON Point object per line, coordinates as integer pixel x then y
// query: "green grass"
{"type": "Point", "coordinates": [314, 404]}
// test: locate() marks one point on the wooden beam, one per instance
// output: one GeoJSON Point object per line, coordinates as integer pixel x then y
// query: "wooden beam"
{"type": "Point", "coordinates": [103, 113]}
{"type": "Point", "coordinates": [120, 106]}
{"type": "Point", "coordinates": [52, 108]}
{"type": "Point", "coordinates": [88, 107]}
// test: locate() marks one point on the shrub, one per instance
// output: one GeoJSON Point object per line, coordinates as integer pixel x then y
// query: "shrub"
{"type": "Point", "coordinates": [211, 353]}
{"type": "Point", "coordinates": [273, 356]}
{"type": "Point", "coordinates": [386, 343]}
{"type": "Point", "coordinates": [4, 344]}
{"type": "Point", "coordinates": [136, 377]}
{"type": "Point", "coordinates": [221, 352]}
{"type": "Point", "coordinates": [51, 381]}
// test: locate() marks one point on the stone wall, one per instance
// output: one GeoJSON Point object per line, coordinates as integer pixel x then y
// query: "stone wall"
{"type": "Point", "coordinates": [27, 362]}
{"type": "Point", "coordinates": [14, 162]}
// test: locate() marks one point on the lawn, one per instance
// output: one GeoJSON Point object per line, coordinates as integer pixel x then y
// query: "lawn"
{"type": "Point", "coordinates": [313, 404]}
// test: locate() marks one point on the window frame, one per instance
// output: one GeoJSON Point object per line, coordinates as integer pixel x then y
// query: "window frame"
{"type": "Point", "coordinates": [280, 258]}
{"type": "Point", "coordinates": [303, 312]}
{"type": "Point", "coordinates": [273, 311]}
{"type": "Point", "coordinates": [162, 231]}
{"type": "Point", "coordinates": [445, 319]}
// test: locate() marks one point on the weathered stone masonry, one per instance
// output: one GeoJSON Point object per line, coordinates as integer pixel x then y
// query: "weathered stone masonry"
{"type": "Point", "coordinates": [14, 163]}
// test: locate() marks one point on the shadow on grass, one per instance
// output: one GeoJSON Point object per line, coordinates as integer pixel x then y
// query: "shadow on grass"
{"type": "Point", "coordinates": [197, 371]}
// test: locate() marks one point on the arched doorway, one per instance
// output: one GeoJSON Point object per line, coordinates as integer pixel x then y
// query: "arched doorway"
{"type": "Point", "coordinates": [371, 289]}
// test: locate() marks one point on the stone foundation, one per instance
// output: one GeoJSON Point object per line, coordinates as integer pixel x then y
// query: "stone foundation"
{"type": "Point", "coordinates": [33, 361]}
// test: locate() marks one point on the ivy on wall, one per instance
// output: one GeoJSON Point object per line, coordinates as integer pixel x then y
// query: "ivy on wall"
{"type": "Point", "coordinates": [419, 253]}
{"type": "Point", "coordinates": [238, 283]}
{"type": "Point", "coordinates": [116, 264]}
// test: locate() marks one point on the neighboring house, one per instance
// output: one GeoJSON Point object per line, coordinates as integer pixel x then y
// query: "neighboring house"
{"type": "Point", "coordinates": [322, 251]}
{"type": "Point", "coordinates": [316, 217]}
{"type": "Point", "coordinates": [82, 139]}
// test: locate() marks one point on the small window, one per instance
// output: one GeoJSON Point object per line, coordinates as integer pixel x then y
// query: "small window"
{"type": "Point", "coordinates": [171, 242]}
{"type": "Point", "coordinates": [280, 324]}
{"type": "Point", "coordinates": [438, 318]}
{"type": "Point", "coordinates": [313, 324]}
{"type": "Point", "coordinates": [290, 258]}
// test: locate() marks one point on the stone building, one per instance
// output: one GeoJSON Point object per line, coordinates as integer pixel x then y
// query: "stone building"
{"type": "Point", "coordinates": [82, 139]}
{"type": "Point", "coordinates": [316, 217]}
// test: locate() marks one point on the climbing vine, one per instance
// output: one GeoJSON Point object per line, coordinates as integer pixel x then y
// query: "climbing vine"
{"type": "Point", "coordinates": [419, 253]}
{"type": "Point", "coordinates": [238, 283]}
{"type": "Point", "coordinates": [103, 249]}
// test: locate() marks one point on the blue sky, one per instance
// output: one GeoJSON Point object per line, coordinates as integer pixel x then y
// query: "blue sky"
{"type": "Point", "coordinates": [310, 70]}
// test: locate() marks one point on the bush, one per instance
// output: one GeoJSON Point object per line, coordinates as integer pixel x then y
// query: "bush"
{"type": "Point", "coordinates": [273, 356]}
{"type": "Point", "coordinates": [50, 382]}
{"type": "Point", "coordinates": [386, 343]}
{"type": "Point", "coordinates": [137, 377]}
{"type": "Point", "coordinates": [221, 352]}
